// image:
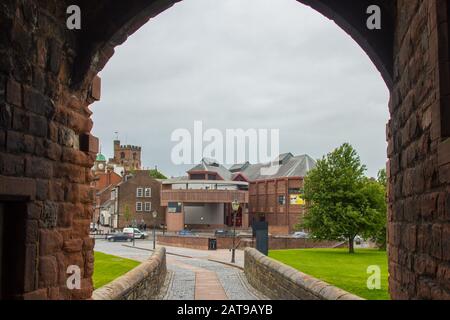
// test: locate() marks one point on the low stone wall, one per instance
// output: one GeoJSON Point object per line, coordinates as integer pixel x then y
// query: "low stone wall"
{"type": "Point", "coordinates": [281, 243]}
{"type": "Point", "coordinates": [142, 283]}
{"type": "Point", "coordinates": [200, 243]}
{"type": "Point", "coordinates": [275, 243]}
{"type": "Point", "coordinates": [280, 282]}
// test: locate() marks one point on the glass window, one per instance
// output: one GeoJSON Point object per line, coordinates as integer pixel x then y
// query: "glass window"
{"type": "Point", "coordinates": [148, 192]}
{"type": "Point", "coordinates": [174, 207]}
{"type": "Point", "coordinates": [281, 200]}
{"type": "Point", "coordinates": [139, 192]}
{"type": "Point", "coordinates": [148, 206]}
{"type": "Point", "coordinates": [138, 206]}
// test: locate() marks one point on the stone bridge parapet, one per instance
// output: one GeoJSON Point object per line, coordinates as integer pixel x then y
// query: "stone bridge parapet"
{"type": "Point", "coordinates": [142, 283]}
{"type": "Point", "coordinates": [280, 282]}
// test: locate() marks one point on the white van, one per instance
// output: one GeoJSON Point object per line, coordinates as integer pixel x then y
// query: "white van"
{"type": "Point", "coordinates": [138, 234]}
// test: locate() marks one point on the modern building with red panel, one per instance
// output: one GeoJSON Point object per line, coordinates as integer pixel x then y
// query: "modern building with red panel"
{"type": "Point", "coordinates": [269, 191]}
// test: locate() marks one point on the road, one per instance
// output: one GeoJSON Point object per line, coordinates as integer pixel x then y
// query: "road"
{"type": "Point", "coordinates": [191, 273]}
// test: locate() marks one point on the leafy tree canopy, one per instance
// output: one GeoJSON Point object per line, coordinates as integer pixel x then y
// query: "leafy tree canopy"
{"type": "Point", "coordinates": [154, 173]}
{"type": "Point", "coordinates": [342, 202]}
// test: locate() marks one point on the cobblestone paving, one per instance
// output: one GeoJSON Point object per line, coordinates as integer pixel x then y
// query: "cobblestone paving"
{"type": "Point", "coordinates": [181, 285]}
{"type": "Point", "coordinates": [181, 281]}
{"type": "Point", "coordinates": [232, 279]}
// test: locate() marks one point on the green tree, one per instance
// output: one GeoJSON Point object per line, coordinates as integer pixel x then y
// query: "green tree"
{"type": "Point", "coordinates": [339, 198]}
{"type": "Point", "coordinates": [376, 195]}
{"type": "Point", "coordinates": [127, 214]}
{"type": "Point", "coordinates": [382, 177]}
{"type": "Point", "coordinates": [154, 173]}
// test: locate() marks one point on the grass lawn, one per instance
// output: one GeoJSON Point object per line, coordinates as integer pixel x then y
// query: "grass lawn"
{"type": "Point", "coordinates": [108, 267]}
{"type": "Point", "coordinates": [339, 268]}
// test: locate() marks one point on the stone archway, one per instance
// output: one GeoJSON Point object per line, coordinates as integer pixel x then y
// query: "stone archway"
{"type": "Point", "coordinates": [48, 80]}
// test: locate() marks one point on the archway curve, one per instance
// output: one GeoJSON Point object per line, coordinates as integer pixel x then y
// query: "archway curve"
{"type": "Point", "coordinates": [97, 42]}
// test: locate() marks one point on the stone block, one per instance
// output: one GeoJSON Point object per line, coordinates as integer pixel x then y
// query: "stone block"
{"type": "Point", "coordinates": [48, 271]}
{"type": "Point", "coordinates": [50, 242]}
{"type": "Point", "coordinates": [14, 93]}
{"type": "Point", "coordinates": [96, 88]}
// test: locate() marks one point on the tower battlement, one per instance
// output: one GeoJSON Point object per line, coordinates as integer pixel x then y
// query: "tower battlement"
{"type": "Point", "coordinates": [128, 156]}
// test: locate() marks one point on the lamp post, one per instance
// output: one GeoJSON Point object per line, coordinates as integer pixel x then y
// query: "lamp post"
{"type": "Point", "coordinates": [155, 214]}
{"type": "Point", "coordinates": [235, 206]}
{"type": "Point", "coordinates": [134, 239]}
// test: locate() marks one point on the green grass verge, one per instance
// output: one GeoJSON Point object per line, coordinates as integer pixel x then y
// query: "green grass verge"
{"type": "Point", "coordinates": [339, 268]}
{"type": "Point", "coordinates": [108, 267]}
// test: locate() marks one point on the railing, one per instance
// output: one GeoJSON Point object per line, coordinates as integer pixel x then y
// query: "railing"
{"type": "Point", "coordinates": [203, 196]}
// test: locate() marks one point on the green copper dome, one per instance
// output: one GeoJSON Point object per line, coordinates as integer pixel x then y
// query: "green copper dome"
{"type": "Point", "coordinates": [100, 157]}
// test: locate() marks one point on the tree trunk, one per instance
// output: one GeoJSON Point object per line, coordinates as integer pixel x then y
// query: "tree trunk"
{"type": "Point", "coordinates": [351, 242]}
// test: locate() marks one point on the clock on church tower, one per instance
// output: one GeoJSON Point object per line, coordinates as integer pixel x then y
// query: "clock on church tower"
{"type": "Point", "coordinates": [100, 163]}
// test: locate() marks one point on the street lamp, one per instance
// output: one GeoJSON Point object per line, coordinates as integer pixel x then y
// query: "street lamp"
{"type": "Point", "coordinates": [155, 214]}
{"type": "Point", "coordinates": [235, 206]}
{"type": "Point", "coordinates": [134, 225]}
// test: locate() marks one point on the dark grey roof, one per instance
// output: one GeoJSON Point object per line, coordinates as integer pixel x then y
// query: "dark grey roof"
{"type": "Point", "coordinates": [239, 167]}
{"type": "Point", "coordinates": [285, 165]}
{"type": "Point", "coordinates": [107, 203]}
{"type": "Point", "coordinates": [283, 158]}
{"type": "Point", "coordinates": [211, 165]}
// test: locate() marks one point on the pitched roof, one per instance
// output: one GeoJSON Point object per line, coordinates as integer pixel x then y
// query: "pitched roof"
{"type": "Point", "coordinates": [239, 167]}
{"type": "Point", "coordinates": [285, 165]}
{"type": "Point", "coordinates": [210, 165]}
{"type": "Point", "coordinates": [292, 167]}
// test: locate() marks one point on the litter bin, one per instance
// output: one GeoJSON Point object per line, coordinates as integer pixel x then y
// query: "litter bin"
{"type": "Point", "coordinates": [212, 244]}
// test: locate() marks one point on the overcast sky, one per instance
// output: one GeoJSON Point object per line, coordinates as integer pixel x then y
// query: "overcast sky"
{"type": "Point", "coordinates": [259, 64]}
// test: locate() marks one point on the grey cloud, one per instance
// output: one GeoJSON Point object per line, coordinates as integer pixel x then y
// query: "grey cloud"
{"type": "Point", "coordinates": [243, 64]}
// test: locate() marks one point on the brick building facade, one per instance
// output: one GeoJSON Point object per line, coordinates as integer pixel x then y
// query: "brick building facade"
{"type": "Point", "coordinates": [48, 80]}
{"type": "Point", "coordinates": [103, 181]}
{"type": "Point", "coordinates": [278, 202]}
{"type": "Point", "coordinates": [136, 198]}
{"type": "Point", "coordinates": [266, 191]}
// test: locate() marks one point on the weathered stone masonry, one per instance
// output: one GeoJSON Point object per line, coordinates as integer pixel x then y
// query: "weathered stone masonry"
{"type": "Point", "coordinates": [280, 282]}
{"type": "Point", "coordinates": [419, 154]}
{"type": "Point", "coordinates": [142, 283]}
{"type": "Point", "coordinates": [48, 79]}
{"type": "Point", "coordinates": [45, 150]}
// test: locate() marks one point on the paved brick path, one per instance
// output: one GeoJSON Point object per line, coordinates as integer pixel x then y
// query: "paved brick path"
{"type": "Point", "coordinates": [195, 278]}
{"type": "Point", "coordinates": [208, 287]}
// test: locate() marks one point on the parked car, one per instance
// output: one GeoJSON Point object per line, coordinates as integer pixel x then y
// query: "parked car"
{"type": "Point", "coordinates": [185, 232]}
{"type": "Point", "coordinates": [138, 234]}
{"type": "Point", "coordinates": [300, 235]}
{"type": "Point", "coordinates": [120, 237]}
{"type": "Point", "coordinates": [358, 240]}
{"type": "Point", "coordinates": [224, 233]}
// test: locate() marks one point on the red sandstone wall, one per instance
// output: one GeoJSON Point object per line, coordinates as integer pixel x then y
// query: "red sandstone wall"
{"type": "Point", "coordinates": [419, 230]}
{"type": "Point", "coordinates": [46, 151]}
